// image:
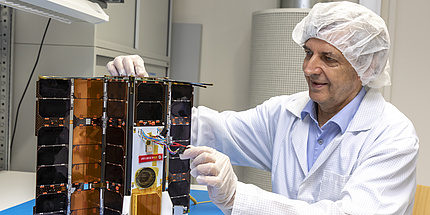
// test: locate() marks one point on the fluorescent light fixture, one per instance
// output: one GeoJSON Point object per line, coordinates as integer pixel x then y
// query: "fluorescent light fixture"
{"type": "Point", "coordinates": [67, 11]}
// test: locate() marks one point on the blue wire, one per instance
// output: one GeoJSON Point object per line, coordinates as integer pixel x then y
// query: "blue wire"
{"type": "Point", "coordinates": [160, 141]}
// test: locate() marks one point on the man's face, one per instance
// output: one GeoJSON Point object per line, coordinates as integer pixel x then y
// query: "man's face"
{"type": "Point", "coordinates": [332, 81]}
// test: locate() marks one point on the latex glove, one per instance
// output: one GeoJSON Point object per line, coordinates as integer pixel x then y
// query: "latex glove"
{"type": "Point", "coordinates": [131, 65]}
{"type": "Point", "coordinates": [213, 168]}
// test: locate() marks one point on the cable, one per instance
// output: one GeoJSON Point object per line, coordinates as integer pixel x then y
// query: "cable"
{"type": "Point", "coordinates": [195, 201]}
{"type": "Point", "coordinates": [26, 87]}
{"type": "Point", "coordinates": [161, 141]}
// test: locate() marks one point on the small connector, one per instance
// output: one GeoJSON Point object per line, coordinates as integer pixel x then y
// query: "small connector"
{"type": "Point", "coordinates": [181, 149]}
{"type": "Point", "coordinates": [163, 132]}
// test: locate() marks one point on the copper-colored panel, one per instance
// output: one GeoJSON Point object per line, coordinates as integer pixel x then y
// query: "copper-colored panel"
{"type": "Point", "coordinates": [148, 204]}
{"type": "Point", "coordinates": [88, 211]}
{"type": "Point", "coordinates": [88, 88]}
{"type": "Point", "coordinates": [85, 199]}
{"type": "Point", "coordinates": [83, 135]}
{"type": "Point", "coordinates": [82, 173]}
{"type": "Point", "coordinates": [88, 108]}
{"type": "Point", "coordinates": [87, 154]}
{"type": "Point", "coordinates": [116, 109]}
{"type": "Point", "coordinates": [117, 90]}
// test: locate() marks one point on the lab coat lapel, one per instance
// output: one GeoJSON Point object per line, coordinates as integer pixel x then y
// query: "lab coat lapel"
{"type": "Point", "coordinates": [299, 140]}
{"type": "Point", "coordinates": [299, 132]}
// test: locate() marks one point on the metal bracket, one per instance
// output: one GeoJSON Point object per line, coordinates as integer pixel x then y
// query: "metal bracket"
{"type": "Point", "coordinates": [5, 84]}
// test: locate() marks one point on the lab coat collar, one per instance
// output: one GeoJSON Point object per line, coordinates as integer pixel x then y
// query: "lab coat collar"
{"type": "Point", "coordinates": [369, 111]}
{"type": "Point", "coordinates": [298, 103]}
{"type": "Point", "coordinates": [370, 108]}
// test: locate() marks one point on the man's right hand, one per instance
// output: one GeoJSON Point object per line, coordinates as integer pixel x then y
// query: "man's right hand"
{"type": "Point", "coordinates": [213, 168]}
{"type": "Point", "coordinates": [130, 65]}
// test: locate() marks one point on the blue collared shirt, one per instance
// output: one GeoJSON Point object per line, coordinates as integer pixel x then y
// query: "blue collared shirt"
{"type": "Point", "coordinates": [319, 138]}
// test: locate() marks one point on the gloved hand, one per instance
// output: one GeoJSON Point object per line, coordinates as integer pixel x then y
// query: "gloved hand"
{"type": "Point", "coordinates": [213, 168]}
{"type": "Point", "coordinates": [131, 65]}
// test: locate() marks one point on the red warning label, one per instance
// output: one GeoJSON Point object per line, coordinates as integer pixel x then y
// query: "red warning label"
{"type": "Point", "coordinates": [149, 158]}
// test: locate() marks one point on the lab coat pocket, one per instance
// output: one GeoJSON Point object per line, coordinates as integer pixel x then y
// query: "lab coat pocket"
{"type": "Point", "coordinates": [332, 185]}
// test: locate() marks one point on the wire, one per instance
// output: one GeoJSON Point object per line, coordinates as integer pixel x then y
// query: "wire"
{"type": "Point", "coordinates": [160, 141]}
{"type": "Point", "coordinates": [26, 87]}
{"type": "Point", "coordinates": [195, 201]}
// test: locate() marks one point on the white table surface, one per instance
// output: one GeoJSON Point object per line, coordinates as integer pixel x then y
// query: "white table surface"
{"type": "Point", "coordinates": [16, 188]}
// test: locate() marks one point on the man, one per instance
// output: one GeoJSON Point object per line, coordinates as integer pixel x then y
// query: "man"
{"type": "Point", "coordinates": [337, 149]}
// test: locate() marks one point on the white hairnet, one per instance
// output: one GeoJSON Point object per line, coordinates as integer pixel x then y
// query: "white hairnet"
{"type": "Point", "coordinates": [357, 32]}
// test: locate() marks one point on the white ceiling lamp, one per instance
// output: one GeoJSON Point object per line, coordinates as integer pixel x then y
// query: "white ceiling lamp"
{"type": "Point", "coordinates": [67, 11]}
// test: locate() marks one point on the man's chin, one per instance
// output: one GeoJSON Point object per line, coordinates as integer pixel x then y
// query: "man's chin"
{"type": "Point", "coordinates": [317, 97]}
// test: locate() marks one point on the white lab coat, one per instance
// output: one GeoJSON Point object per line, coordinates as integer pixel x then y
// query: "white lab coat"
{"type": "Point", "coordinates": [370, 169]}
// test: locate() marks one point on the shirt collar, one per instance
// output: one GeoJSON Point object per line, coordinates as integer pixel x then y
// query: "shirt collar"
{"type": "Point", "coordinates": [344, 117]}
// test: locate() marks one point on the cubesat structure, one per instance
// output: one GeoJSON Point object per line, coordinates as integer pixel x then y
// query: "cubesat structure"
{"type": "Point", "coordinates": [112, 144]}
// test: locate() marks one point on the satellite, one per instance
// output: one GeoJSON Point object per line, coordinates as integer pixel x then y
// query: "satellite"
{"type": "Point", "coordinates": [111, 145]}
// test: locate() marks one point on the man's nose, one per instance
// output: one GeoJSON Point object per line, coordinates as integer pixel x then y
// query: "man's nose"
{"type": "Point", "coordinates": [312, 66]}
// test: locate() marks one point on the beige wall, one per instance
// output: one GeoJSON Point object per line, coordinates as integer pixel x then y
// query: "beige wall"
{"type": "Point", "coordinates": [226, 44]}
{"type": "Point", "coordinates": [410, 72]}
